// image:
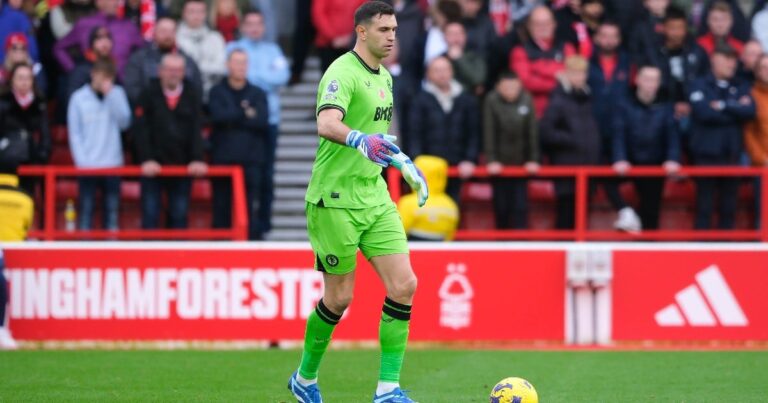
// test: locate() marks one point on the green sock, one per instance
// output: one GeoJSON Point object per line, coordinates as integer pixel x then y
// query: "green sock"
{"type": "Point", "coordinates": [320, 325]}
{"type": "Point", "coordinates": [393, 336]}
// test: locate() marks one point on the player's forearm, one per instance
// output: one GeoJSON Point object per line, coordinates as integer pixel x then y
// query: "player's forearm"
{"type": "Point", "coordinates": [332, 129]}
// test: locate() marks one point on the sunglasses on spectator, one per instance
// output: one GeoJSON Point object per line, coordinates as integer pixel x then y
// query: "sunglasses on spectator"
{"type": "Point", "coordinates": [18, 47]}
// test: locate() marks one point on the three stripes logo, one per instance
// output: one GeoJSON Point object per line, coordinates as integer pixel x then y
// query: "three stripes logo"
{"type": "Point", "coordinates": [706, 303]}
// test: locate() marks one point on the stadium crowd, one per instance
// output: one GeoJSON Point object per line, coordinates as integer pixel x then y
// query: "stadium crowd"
{"type": "Point", "coordinates": [495, 82]}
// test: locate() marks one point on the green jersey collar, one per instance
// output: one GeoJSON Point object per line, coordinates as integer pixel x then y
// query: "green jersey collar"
{"type": "Point", "coordinates": [367, 67]}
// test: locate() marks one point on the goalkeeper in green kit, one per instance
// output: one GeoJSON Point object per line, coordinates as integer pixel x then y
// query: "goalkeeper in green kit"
{"type": "Point", "coordinates": [349, 207]}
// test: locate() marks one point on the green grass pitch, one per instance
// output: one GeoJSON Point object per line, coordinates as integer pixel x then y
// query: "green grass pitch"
{"type": "Point", "coordinates": [349, 376]}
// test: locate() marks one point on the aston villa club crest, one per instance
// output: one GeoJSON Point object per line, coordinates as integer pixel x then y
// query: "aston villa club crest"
{"type": "Point", "coordinates": [382, 94]}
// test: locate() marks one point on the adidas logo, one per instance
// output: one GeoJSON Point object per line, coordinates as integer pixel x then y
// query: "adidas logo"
{"type": "Point", "coordinates": [706, 303]}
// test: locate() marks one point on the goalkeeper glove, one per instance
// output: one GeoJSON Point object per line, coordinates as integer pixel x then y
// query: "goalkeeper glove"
{"type": "Point", "coordinates": [375, 147]}
{"type": "Point", "coordinates": [412, 175]}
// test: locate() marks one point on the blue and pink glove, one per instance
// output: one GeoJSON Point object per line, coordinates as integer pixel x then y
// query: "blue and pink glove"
{"type": "Point", "coordinates": [412, 175]}
{"type": "Point", "coordinates": [376, 147]}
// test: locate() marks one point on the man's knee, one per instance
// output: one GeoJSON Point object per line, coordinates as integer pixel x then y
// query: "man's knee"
{"type": "Point", "coordinates": [338, 301]}
{"type": "Point", "coordinates": [403, 289]}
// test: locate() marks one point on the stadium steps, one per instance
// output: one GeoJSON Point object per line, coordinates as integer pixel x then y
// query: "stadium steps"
{"type": "Point", "coordinates": [296, 147]}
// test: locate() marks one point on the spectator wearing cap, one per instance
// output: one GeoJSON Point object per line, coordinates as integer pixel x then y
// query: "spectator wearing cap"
{"type": "Point", "coordinates": [16, 52]}
{"type": "Point", "coordinates": [142, 67]}
{"type": "Point", "coordinates": [100, 47]}
{"type": "Point", "coordinates": [125, 35]}
{"type": "Point", "coordinates": [14, 21]}
{"type": "Point", "coordinates": [204, 45]}
{"type": "Point", "coordinates": [539, 59]}
{"type": "Point", "coordinates": [97, 113]}
{"type": "Point", "coordinates": [721, 105]}
{"type": "Point", "coordinates": [720, 23]}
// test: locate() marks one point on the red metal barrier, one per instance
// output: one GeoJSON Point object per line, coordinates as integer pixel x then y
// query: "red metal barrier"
{"type": "Point", "coordinates": [50, 174]}
{"type": "Point", "coordinates": [581, 232]}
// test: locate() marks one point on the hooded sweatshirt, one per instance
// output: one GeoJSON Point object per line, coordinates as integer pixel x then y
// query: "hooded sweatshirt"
{"type": "Point", "coordinates": [439, 218]}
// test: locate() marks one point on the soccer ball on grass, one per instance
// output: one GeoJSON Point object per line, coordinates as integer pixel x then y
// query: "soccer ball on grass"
{"type": "Point", "coordinates": [514, 390]}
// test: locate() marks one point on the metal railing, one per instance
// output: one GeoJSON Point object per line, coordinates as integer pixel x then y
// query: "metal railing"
{"type": "Point", "coordinates": [581, 232]}
{"type": "Point", "coordinates": [50, 175]}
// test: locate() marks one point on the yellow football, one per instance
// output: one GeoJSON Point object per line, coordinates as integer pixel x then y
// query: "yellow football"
{"type": "Point", "coordinates": [514, 390]}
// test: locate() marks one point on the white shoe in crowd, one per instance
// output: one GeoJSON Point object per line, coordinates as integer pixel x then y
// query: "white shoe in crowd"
{"type": "Point", "coordinates": [6, 340]}
{"type": "Point", "coordinates": [628, 221]}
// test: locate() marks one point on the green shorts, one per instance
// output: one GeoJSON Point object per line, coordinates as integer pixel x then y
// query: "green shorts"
{"type": "Point", "coordinates": [337, 233]}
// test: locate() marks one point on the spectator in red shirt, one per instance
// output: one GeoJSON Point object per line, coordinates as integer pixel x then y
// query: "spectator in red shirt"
{"type": "Point", "coordinates": [225, 17]}
{"type": "Point", "coordinates": [333, 22]}
{"type": "Point", "coordinates": [720, 23]}
{"type": "Point", "coordinates": [540, 58]}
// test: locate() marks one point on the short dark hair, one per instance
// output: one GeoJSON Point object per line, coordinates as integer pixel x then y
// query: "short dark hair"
{"type": "Point", "coordinates": [167, 17]}
{"type": "Point", "coordinates": [609, 22]}
{"type": "Point", "coordinates": [642, 67]}
{"type": "Point", "coordinates": [18, 66]}
{"type": "Point", "coordinates": [98, 32]}
{"type": "Point", "coordinates": [253, 10]}
{"type": "Point", "coordinates": [236, 50]}
{"type": "Point", "coordinates": [721, 6]}
{"type": "Point", "coordinates": [105, 67]}
{"type": "Point", "coordinates": [450, 9]}
{"type": "Point", "coordinates": [509, 75]}
{"type": "Point", "coordinates": [674, 14]}
{"type": "Point", "coordinates": [725, 50]}
{"type": "Point", "coordinates": [365, 13]}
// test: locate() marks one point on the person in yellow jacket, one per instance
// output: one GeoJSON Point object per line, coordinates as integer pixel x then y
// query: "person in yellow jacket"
{"type": "Point", "coordinates": [16, 209]}
{"type": "Point", "coordinates": [439, 218]}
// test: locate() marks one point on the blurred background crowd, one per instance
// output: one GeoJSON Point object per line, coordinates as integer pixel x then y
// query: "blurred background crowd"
{"type": "Point", "coordinates": [490, 83]}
